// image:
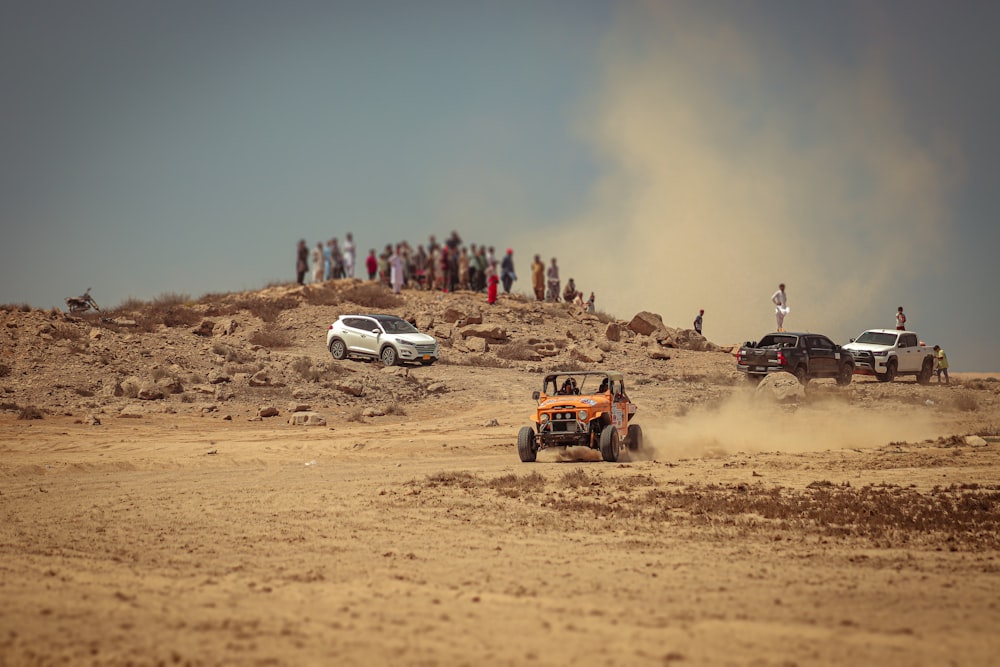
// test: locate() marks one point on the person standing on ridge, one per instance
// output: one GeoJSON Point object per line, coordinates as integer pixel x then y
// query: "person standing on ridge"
{"type": "Point", "coordinates": [780, 301]}
{"type": "Point", "coordinates": [900, 319]}
{"type": "Point", "coordinates": [301, 262]}
{"type": "Point", "coordinates": [507, 271]}
{"type": "Point", "coordinates": [698, 320]}
{"type": "Point", "coordinates": [538, 278]}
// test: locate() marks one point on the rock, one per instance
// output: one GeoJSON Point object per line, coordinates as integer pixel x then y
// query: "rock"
{"type": "Point", "coordinates": [588, 355]}
{"type": "Point", "coordinates": [224, 392]}
{"type": "Point", "coordinates": [477, 345]}
{"type": "Point", "coordinates": [216, 376]}
{"type": "Point", "coordinates": [203, 388]}
{"type": "Point", "coordinates": [976, 441]}
{"type": "Point", "coordinates": [645, 323]}
{"type": "Point", "coordinates": [350, 387]}
{"type": "Point", "coordinates": [307, 418]}
{"type": "Point", "coordinates": [204, 329]}
{"type": "Point", "coordinates": [398, 371]}
{"type": "Point", "coordinates": [300, 394]}
{"type": "Point", "coordinates": [437, 388]}
{"type": "Point", "coordinates": [655, 351]}
{"type": "Point", "coordinates": [170, 385]}
{"type": "Point", "coordinates": [492, 334]}
{"type": "Point", "coordinates": [374, 412]}
{"type": "Point", "coordinates": [780, 387]}
{"type": "Point", "coordinates": [424, 321]}
{"type": "Point", "coordinates": [299, 407]}
{"type": "Point", "coordinates": [472, 318]}
{"type": "Point", "coordinates": [268, 411]}
{"type": "Point", "coordinates": [209, 407]}
{"type": "Point", "coordinates": [260, 379]}
{"type": "Point", "coordinates": [132, 411]}
{"type": "Point", "coordinates": [224, 328]}
{"type": "Point", "coordinates": [150, 392]}
{"type": "Point", "coordinates": [92, 420]}
{"type": "Point", "coordinates": [112, 388]}
{"type": "Point", "coordinates": [452, 315]}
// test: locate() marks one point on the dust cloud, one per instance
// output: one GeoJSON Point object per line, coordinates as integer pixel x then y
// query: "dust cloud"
{"type": "Point", "coordinates": [741, 424]}
{"type": "Point", "coordinates": [730, 166]}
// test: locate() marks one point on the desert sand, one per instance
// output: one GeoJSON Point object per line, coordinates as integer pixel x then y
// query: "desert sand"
{"type": "Point", "coordinates": [858, 526]}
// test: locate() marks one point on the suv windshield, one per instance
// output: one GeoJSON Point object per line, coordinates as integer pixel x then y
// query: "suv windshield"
{"type": "Point", "coordinates": [773, 340]}
{"type": "Point", "coordinates": [395, 325]}
{"type": "Point", "coordinates": [877, 338]}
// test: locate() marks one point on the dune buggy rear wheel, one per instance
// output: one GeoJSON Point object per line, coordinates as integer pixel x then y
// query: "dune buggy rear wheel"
{"type": "Point", "coordinates": [634, 439]}
{"type": "Point", "coordinates": [526, 448]}
{"type": "Point", "coordinates": [610, 444]}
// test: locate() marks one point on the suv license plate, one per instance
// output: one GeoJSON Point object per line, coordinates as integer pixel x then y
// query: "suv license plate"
{"type": "Point", "coordinates": [758, 369]}
{"type": "Point", "coordinates": [427, 357]}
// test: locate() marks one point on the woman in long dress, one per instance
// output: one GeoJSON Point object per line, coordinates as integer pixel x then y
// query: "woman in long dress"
{"type": "Point", "coordinates": [396, 269]}
{"type": "Point", "coordinates": [318, 262]}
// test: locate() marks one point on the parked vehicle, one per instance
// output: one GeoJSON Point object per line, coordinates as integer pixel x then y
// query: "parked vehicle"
{"type": "Point", "coordinates": [82, 303]}
{"type": "Point", "coordinates": [387, 337]}
{"type": "Point", "coordinates": [888, 353]}
{"type": "Point", "coordinates": [588, 408]}
{"type": "Point", "coordinates": [805, 355]}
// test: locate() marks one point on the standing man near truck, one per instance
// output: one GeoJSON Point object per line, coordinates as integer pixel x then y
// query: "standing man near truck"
{"type": "Point", "coordinates": [780, 301]}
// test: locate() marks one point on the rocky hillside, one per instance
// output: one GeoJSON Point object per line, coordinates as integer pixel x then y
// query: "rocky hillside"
{"type": "Point", "coordinates": [234, 354]}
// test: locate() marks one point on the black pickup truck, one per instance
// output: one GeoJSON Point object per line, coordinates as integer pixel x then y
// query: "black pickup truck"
{"type": "Point", "coordinates": [805, 355]}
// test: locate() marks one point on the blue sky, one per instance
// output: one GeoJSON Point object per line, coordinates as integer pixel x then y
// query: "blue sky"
{"type": "Point", "coordinates": [674, 156]}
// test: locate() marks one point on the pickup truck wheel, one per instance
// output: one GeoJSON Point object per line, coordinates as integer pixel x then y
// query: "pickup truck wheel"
{"type": "Point", "coordinates": [389, 356]}
{"type": "Point", "coordinates": [610, 444]}
{"type": "Point", "coordinates": [634, 439]}
{"type": "Point", "coordinates": [801, 375]}
{"type": "Point", "coordinates": [926, 371]}
{"type": "Point", "coordinates": [845, 375]}
{"type": "Point", "coordinates": [526, 444]}
{"type": "Point", "coordinates": [337, 349]}
{"type": "Point", "coordinates": [890, 372]}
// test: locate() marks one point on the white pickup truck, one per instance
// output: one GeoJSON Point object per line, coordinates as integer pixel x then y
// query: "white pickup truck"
{"type": "Point", "coordinates": [887, 353]}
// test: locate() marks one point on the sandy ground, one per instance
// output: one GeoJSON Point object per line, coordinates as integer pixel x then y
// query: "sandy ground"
{"type": "Point", "coordinates": [827, 535]}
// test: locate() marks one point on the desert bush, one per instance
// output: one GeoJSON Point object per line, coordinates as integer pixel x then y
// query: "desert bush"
{"type": "Point", "coordinates": [395, 408]}
{"type": "Point", "coordinates": [158, 373]}
{"type": "Point", "coordinates": [187, 397]}
{"type": "Point", "coordinates": [574, 478]}
{"type": "Point", "coordinates": [304, 367]}
{"type": "Point", "coordinates": [30, 412]}
{"type": "Point", "coordinates": [130, 389]}
{"type": "Point", "coordinates": [82, 391]}
{"type": "Point", "coordinates": [372, 295]}
{"type": "Point", "coordinates": [516, 351]}
{"type": "Point", "coordinates": [322, 296]}
{"type": "Point", "coordinates": [513, 486]}
{"type": "Point", "coordinates": [66, 333]}
{"type": "Point", "coordinates": [267, 310]}
{"type": "Point", "coordinates": [271, 337]}
{"type": "Point", "coordinates": [170, 299]}
{"type": "Point", "coordinates": [9, 405]}
{"type": "Point", "coordinates": [604, 317]}
{"type": "Point", "coordinates": [4, 370]}
{"type": "Point", "coordinates": [355, 415]}
{"type": "Point", "coordinates": [231, 354]}
{"type": "Point", "coordinates": [464, 480]}
{"type": "Point", "coordinates": [965, 401]}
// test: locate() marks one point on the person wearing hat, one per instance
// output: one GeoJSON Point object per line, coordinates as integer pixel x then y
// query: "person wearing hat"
{"type": "Point", "coordinates": [942, 364]}
{"type": "Point", "coordinates": [697, 320]}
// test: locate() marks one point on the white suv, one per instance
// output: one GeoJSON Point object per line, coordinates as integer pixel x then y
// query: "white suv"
{"type": "Point", "coordinates": [386, 337]}
{"type": "Point", "coordinates": [888, 353]}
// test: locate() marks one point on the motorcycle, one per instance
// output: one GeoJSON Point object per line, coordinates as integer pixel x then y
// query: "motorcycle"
{"type": "Point", "coordinates": [82, 303]}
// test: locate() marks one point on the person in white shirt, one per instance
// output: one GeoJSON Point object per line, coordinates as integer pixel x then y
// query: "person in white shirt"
{"type": "Point", "coordinates": [350, 255]}
{"type": "Point", "coordinates": [780, 301]}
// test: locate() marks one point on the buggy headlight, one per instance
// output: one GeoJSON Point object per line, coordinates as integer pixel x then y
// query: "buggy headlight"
{"type": "Point", "coordinates": [544, 418]}
{"type": "Point", "coordinates": [582, 415]}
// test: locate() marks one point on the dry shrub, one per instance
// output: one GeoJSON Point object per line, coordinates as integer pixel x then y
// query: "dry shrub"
{"type": "Point", "coordinates": [4, 370]}
{"type": "Point", "coordinates": [322, 296]}
{"type": "Point", "coordinates": [187, 397]}
{"type": "Point", "coordinates": [476, 360]}
{"type": "Point", "coordinates": [81, 391]}
{"type": "Point", "coordinates": [517, 351]}
{"type": "Point", "coordinates": [574, 478]}
{"type": "Point", "coordinates": [513, 486]}
{"type": "Point", "coordinates": [603, 317]}
{"type": "Point", "coordinates": [463, 480]}
{"type": "Point", "coordinates": [965, 401]}
{"type": "Point", "coordinates": [9, 405]}
{"type": "Point", "coordinates": [267, 310]}
{"type": "Point", "coordinates": [66, 333]}
{"type": "Point", "coordinates": [372, 295]}
{"type": "Point", "coordinates": [231, 354]}
{"type": "Point", "coordinates": [30, 412]}
{"type": "Point", "coordinates": [271, 337]}
{"type": "Point", "coordinates": [355, 415]}
{"type": "Point", "coordinates": [15, 308]}
{"type": "Point", "coordinates": [395, 408]}
{"type": "Point", "coordinates": [304, 367]}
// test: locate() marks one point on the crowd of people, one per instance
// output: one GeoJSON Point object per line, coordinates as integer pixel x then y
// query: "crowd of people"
{"type": "Point", "coordinates": [447, 267]}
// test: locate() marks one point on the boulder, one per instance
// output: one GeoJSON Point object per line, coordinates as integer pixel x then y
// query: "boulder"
{"type": "Point", "coordinates": [492, 334]}
{"type": "Point", "coordinates": [781, 388]}
{"type": "Point", "coordinates": [295, 406]}
{"type": "Point", "coordinates": [170, 385]}
{"type": "Point", "coordinates": [350, 387]}
{"type": "Point", "coordinates": [224, 392]}
{"type": "Point", "coordinates": [224, 328]}
{"type": "Point", "coordinates": [204, 329]}
{"type": "Point", "coordinates": [149, 391]}
{"type": "Point", "coordinates": [646, 323]}
{"type": "Point", "coordinates": [112, 388]}
{"type": "Point", "coordinates": [655, 351]}
{"type": "Point", "coordinates": [268, 411]}
{"type": "Point", "coordinates": [424, 321]}
{"type": "Point", "coordinates": [452, 315]}
{"type": "Point", "coordinates": [471, 318]}
{"type": "Point", "coordinates": [307, 418]}
{"type": "Point", "coordinates": [218, 377]}
{"type": "Point", "coordinates": [587, 354]}
{"type": "Point", "coordinates": [260, 379]}
{"type": "Point", "coordinates": [477, 345]}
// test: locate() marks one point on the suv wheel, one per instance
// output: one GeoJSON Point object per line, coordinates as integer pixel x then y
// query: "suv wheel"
{"type": "Point", "coordinates": [926, 370]}
{"type": "Point", "coordinates": [526, 444]}
{"type": "Point", "coordinates": [610, 444]}
{"type": "Point", "coordinates": [389, 356]}
{"type": "Point", "coordinates": [337, 349]}
{"type": "Point", "coordinates": [801, 375]}
{"type": "Point", "coordinates": [845, 375]}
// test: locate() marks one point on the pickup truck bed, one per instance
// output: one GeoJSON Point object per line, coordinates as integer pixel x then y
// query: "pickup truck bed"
{"type": "Point", "coordinates": [805, 355]}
